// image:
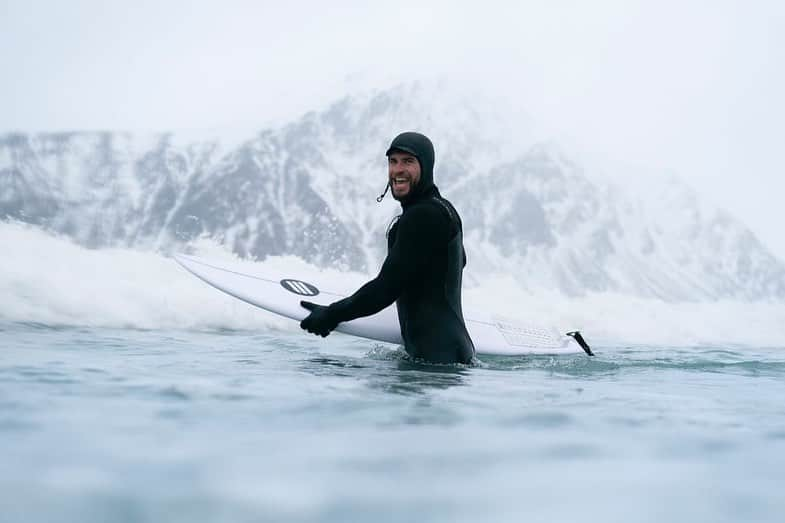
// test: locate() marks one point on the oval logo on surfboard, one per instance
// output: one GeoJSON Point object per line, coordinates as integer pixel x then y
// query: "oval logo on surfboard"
{"type": "Point", "coordinates": [299, 287]}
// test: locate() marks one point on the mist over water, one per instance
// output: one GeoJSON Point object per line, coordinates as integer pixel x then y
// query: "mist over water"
{"type": "Point", "coordinates": [130, 391]}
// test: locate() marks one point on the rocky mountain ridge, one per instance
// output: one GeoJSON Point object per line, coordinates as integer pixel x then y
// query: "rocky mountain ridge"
{"type": "Point", "coordinates": [309, 188]}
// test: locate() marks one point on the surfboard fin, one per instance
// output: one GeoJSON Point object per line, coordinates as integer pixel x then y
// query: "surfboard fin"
{"type": "Point", "coordinates": [576, 335]}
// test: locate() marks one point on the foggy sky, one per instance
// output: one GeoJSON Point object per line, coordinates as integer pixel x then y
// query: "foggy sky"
{"type": "Point", "coordinates": [686, 88]}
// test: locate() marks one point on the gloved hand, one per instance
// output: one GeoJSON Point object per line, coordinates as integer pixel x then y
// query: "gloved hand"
{"type": "Point", "coordinates": [320, 321]}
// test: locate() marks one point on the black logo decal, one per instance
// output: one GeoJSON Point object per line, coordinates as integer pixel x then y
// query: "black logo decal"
{"type": "Point", "coordinates": [299, 287]}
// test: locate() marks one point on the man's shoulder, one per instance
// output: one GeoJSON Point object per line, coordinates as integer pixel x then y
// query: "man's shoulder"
{"type": "Point", "coordinates": [431, 216]}
{"type": "Point", "coordinates": [428, 209]}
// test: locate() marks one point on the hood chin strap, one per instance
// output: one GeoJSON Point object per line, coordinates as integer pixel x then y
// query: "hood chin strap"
{"type": "Point", "coordinates": [381, 196]}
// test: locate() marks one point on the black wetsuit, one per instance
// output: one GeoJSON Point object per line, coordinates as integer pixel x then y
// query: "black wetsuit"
{"type": "Point", "coordinates": [421, 274]}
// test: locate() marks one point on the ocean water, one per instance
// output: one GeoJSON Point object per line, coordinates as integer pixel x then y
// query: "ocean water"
{"type": "Point", "coordinates": [130, 391]}
{"type": "Point", "coordinates": [110, 424]}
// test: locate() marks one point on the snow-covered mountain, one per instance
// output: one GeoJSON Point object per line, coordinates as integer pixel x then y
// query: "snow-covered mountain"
{"type": "Point", "coordinates": [309, 189]}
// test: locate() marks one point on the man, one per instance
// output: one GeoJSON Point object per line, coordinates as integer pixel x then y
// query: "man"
{"type": "Point", "coordinates": [424, 265]}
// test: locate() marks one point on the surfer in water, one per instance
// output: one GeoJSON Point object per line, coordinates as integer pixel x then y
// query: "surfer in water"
{"type": "Point", "coordinates": [423, 269]}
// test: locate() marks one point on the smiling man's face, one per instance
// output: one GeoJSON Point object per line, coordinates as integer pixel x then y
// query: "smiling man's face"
{"type": "Point", "coordinates": [404, 171]}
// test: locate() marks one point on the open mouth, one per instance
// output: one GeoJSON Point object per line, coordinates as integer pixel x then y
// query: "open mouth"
{"type": "Point", "coordinates": [399, 182]}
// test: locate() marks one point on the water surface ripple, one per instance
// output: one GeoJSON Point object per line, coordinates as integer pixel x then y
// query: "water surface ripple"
{"type": "Point", "coordinates": [150, 425]}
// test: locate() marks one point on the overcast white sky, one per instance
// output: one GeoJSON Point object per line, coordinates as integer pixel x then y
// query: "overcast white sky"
{"type": "Point", "coordinates": [686, 87]}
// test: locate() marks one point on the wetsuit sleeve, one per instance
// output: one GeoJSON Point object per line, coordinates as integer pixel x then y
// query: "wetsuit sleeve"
{"type": "Point", "coordinates": [421, 230]}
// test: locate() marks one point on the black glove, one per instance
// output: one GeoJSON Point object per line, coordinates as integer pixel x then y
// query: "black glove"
{"type": "Point", "coordinates": [320, 321]}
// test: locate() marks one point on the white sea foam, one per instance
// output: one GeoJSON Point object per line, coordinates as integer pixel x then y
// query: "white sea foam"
{"type": "Point", "coordinates": [49, 279]}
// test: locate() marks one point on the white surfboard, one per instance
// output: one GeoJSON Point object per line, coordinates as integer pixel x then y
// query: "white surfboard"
{"type": "Point", "coordinates": [282, 293]}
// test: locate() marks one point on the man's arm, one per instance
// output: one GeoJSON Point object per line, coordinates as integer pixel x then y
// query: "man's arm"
{"type": "Point", "coordinates": [420, 231]}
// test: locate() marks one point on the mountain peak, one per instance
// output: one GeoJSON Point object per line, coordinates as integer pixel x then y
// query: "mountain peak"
{"type": "Point", "coordinates": [309, 188]}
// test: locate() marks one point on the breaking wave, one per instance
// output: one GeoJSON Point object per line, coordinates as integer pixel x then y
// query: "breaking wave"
{"type": "Point", "coordinates": [48, 279]}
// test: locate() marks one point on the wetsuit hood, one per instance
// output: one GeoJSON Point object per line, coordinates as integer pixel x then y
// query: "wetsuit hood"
{"type": "Point", "coordinates": [421, 147]}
